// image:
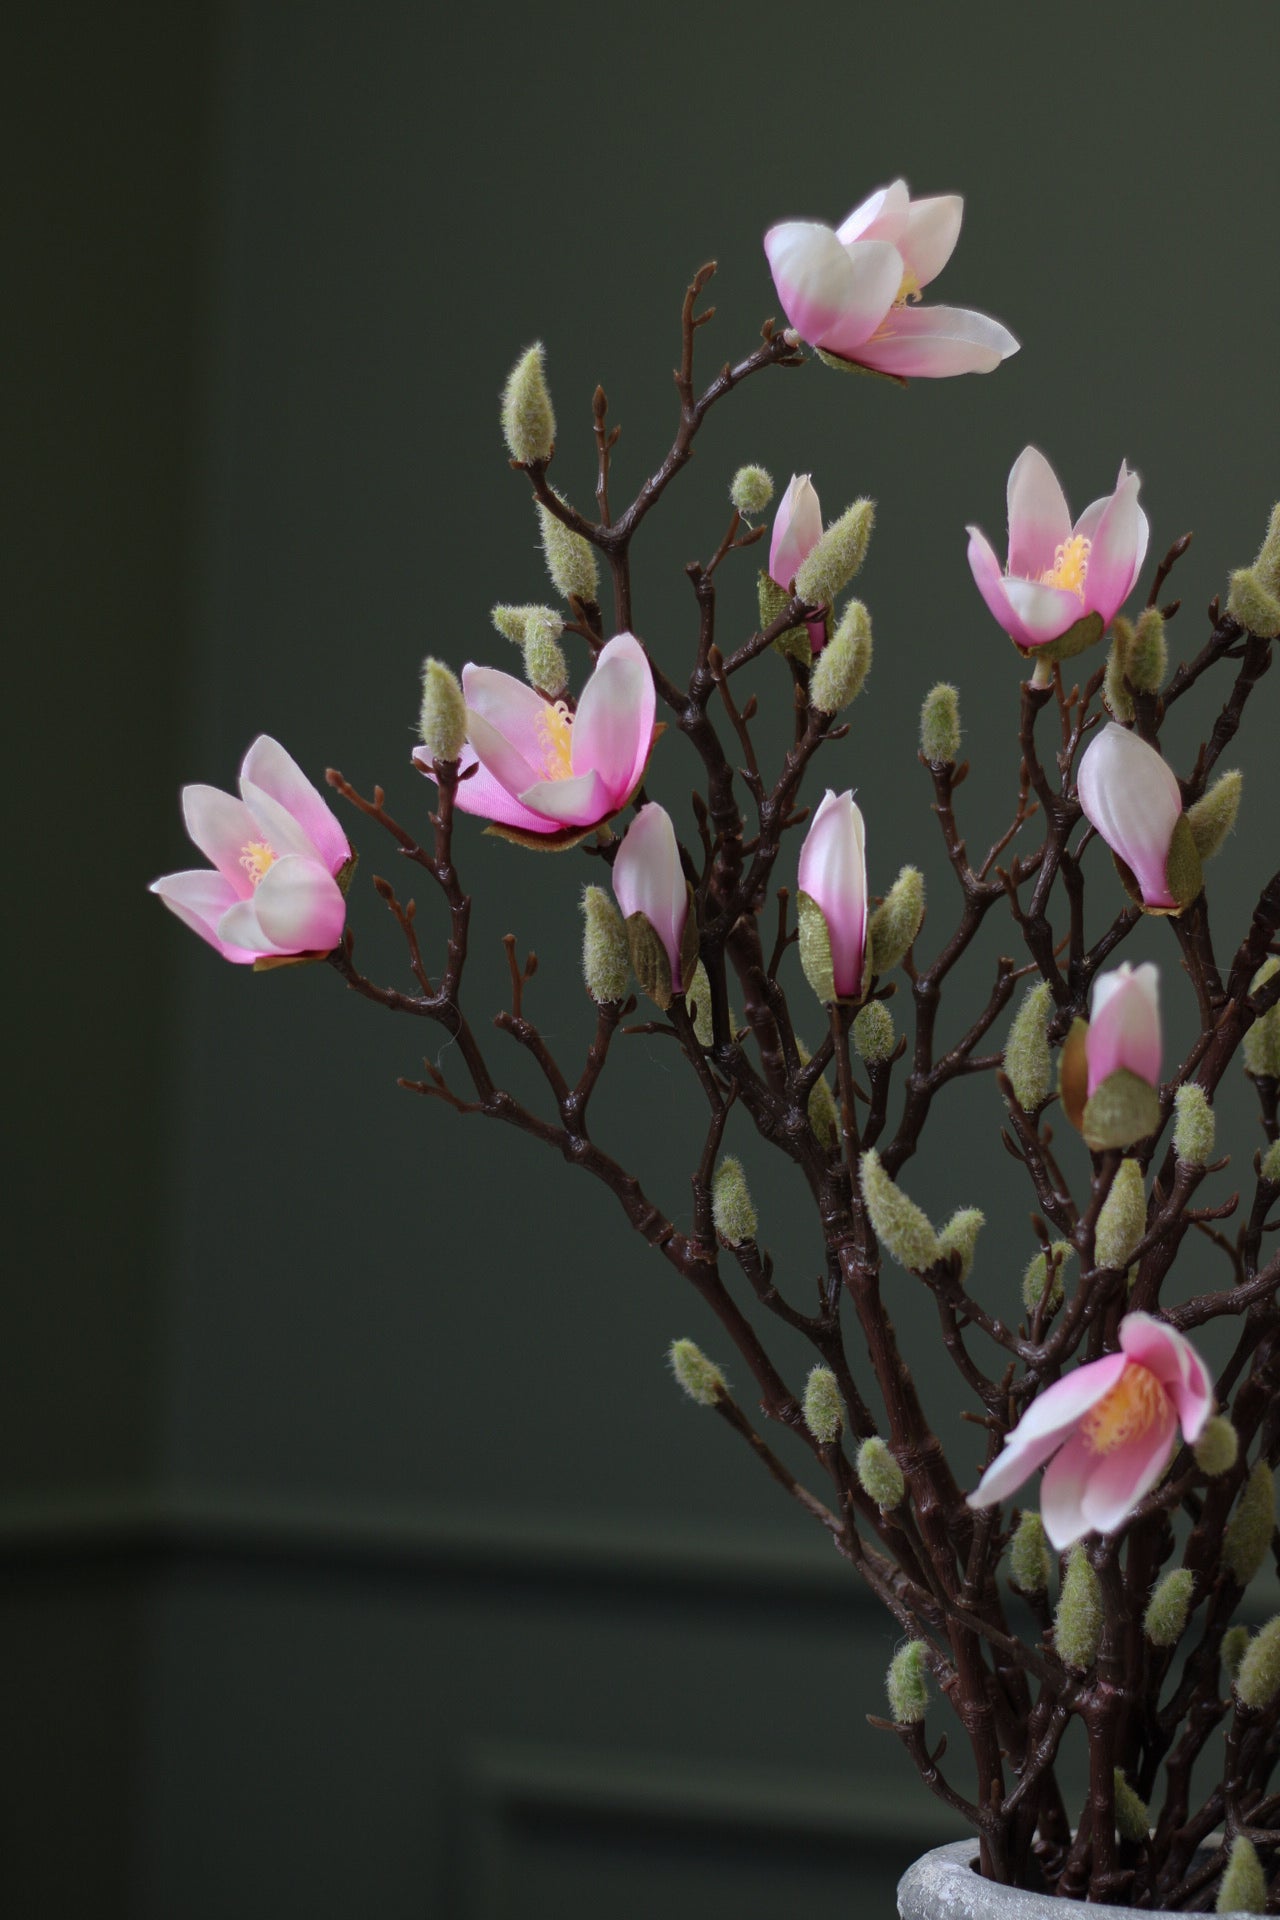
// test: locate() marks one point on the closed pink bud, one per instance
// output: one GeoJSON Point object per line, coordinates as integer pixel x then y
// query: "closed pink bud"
{"type": "Point", "coordinates": [1132, 798]}
{"type": "Point", "coordinates": [833, 872]}
{"type": "Point", "coordinates": [648, 879]}
{"type": "Point", "coordinates": [797, 529]}
{"type": "Point", "coordinates": [1124, 1030]}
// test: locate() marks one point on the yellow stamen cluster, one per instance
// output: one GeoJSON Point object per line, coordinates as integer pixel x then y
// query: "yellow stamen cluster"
{"type": "Point", "coordinates": [554, 728]}
{"type": "Point", "coordinates": [255, 857]}
{"type": "Point", "coordinates": [1135, 1404]}
{"type": "Point", "coordinates": [909, 290]}
{"type": "Point", "coordinates": [1070, 565]}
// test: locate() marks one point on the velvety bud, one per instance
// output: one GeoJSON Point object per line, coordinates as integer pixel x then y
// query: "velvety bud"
{"type": "Point", "coordinates": [960, 1235]}
{"type": "Point", "coordinates": [831, 901]}
{"type": "Point", "coordinates": [751, 489]}
{"type": "Point", "coordinates": [1165, 1620]}
{"type": "Point", "coordinates": [823, 1413]}
{"type": "Point", "coordinates": [1147, 660]}
{"type": "Point", "coordinates": [901, 1227]}
{"type": "Point", "coordinates": [940, 724]}
{"type": "Point", "coordinates": [442, 722]}
{"type": "Point", "coordinates": [513, 623]}
{"type": "Point", "coordinates": [1258, 1674]}
{"type": "Point", "coordinates": [824, 1117]}
{"type": "Point", "coordinates": [1133, 1820]}
{"type": "Point", "coordinates": [906, 1684]}
{"type": "Point", "coordinates": [1114, 691]}
{"type": "Point", "coordinates": [528, 421]}
{"type": "Point", "coordinates": [842, 666]}
{"type": "Point", "coordinates": [1037, 1274]}
{"type": "Point", "coordinates": [1026, 1051]}
{"type": "Point", "coordinates": [1194, 1126]}
{"type": "Point", "coordinates": [545, 666]}
{"type": "Point", "coordinates": [1218, 1447]}
{"type": "Point", "coordinates": [873, 1035]}
{"type": "Point", "coordinates": [731, 1208]}
{"type": "Point", "coordinates": [1270, 1168]}
{"type": "Point", "coordinates": [773, 600]}
{"type": "Point", "coordinates": [829, 568]}
{"type": "Point", "coordinates": [1262, 1042]}
{"type": "Point", "coordinates": [1029, 1561]}
{"type": "Point", "coordinates": [1214, 817]}
{"type": "Point", "coordinates": [1077, 1624]}
{"type": "Point", "coordinates": [896, 921]}
{"type": "Point", "coordinates": [698, 998]}
{"type": "Point", "coordinates": [1267, 564]}
{"type": "Point", "coordinates": [1123, 1219]}
{"type": "Point", "coordinates": [571, 559]}
{"type": "Point", "coordinates": [1244, 1884]}
{"type": "Point", "coordinates": [1254, 604]}
{"type": "Point", "coordinates": [1247, 1540]}
{"type": "Point", "coordinates": [854, 627]}
{"type": "Point", "coordinates": [606, 957]}
{"type": "Point", "coordinates": [1234, 1642]}
{"type": "Point", "coordinates": [701, 1378]}
{"type": "Point", "coordinates": [879, 1474]}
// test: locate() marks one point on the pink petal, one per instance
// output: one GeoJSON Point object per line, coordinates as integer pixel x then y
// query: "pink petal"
{"type": "Point", "coordinates": [833, 871]}
{"type": "Point", "coordinates": [876, 274]}
{"type": "Point", "coordinates": [797, 529]}
{"type": "Point", "coordinates": [990, 581]}
{"type": "Point", "coordinates": [934, 342]}
{"type": "Point", "coordinates": [1120, 1479]}
{"type": "Point", "coordinates": [222, 827]}
{"type": "Point", "coordinates": [1176, 1364]}
{"type": "Point", "coordinates": [1064, 1404]}
{"type": "Point", "coordinates": [1124, 1030]}
{"type": "Point", "coordinates": [199, 898]}
{"type": "Point", "coordinates": [1132, 798]}
{"type": "Point", "coordinates": [282, 833]}
{"type": "Point", "coordinates": [486, 797]}
{"type": "Point", "coordinates": [297, 908]}
{"type": "Point", "coordinates": [1140, 552]}
{"type": "Point", "coordinates": [883, 215]}
{"type": "Point", "coordinates": [1114, 556]}
{"type": "Point", "coordinates": [577, 802]}
{"type": "Point", "coordinates": [1039, 518]}
{"type": "Point", "coordinates": [1062, 1493]}
{"type": "Point", "coordinates": [268, 766]}
{"type": "Point", "coordinates": [813, 275]}
{"type": "Point", "coordinates": [1045, 612]}
{"type": "Point", "coordinates": [613, 727]}
{"type": "Point", "coordinates": [505, 762]}
{"type": "Point", "coordinates": [1009, 1469]}
{"type": "Point", "coordinates": [648, 879]}
{"type": "Point", "coordinates": [512, 709]}
{"type": "Point", "coordinates": [929, 239]}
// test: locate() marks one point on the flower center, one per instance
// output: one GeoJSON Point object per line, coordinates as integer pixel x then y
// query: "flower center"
{"type": "Point", "coordinates": [255, 857]}
{"type": "Point", "coordinates": [554, 727]}
{"type": "Point", "coordinates": [1135, 1404]}
{"type": "Point", "coordinates": [908, 291]}
{"type": "Point", "coordinates": [1070, 565]}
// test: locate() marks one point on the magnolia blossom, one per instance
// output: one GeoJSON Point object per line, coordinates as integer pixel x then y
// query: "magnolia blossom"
{"type": "Point", "coordinates": [275, 852]}
{"type": "Point", "coordinates": [1109, 1427]}
{"type": "Point", "coordinates": [1124, 1028]}
{"type": "Point", "coordinates": [1132, 798]}
{"type": "Point", "coordinates": [833, 872]}
{"type": "Point", "coordinates": [1057, 572]}
{"type": "Point", "coordinates": [797, 529]}
{"type": "Point", "coordinates": [543, 770]}
{"type": "Point", "coordinates": [853, 291]}
{"type": "Point", "coordinates": [648, 879]}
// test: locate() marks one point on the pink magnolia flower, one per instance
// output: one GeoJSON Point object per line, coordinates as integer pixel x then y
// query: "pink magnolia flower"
{"type": "Point", "coordinates": [1132, 798]}
{"type": "Point", "coordinates": [853, 291]}
{"type": "Point", "coordinates": [1124, 1030]}
{"type": "Point", "coordinates": [648, 879]}
{"type": "Point", "coordinates": [833, 872]}
{"type": "Point", "coordinates": [1109, 1427]}
{"type": "Point", "coordinates": [271, 890]}
{"type": "Point", "coordinates": [1057, 572]}
{"type": "Point", "coordinates": [545, 773]}
{"type": "Point", "coordinates": [797, 529]}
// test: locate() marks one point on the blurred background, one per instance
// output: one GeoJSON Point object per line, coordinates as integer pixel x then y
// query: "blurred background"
{"type": "Point", "coordinates": [357, 1553]}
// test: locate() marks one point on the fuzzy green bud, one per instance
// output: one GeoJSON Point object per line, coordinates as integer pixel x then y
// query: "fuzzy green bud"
{"type": "Point", "coordinates": [1270, 1168]}
{"type": "Point", "coordinates": [514, 623]}
{"type": "Point", "coordinates": [1258, 1674]}
{"type": "Point", "coordinates": [844, 663]}
{"type": "Point", "coordinates": [1077, 1624]}
{"type": "Point", "coordinates": [1114, 690]}
{"type": "Point", "coordinates": [960, 1235]}
{"type": "Point", "coordinates": [1254, 604]}
{"type": "Point", "coordinates": [1267, 564]}
{"type": "Point", "coordinates": [879, 1474]}
{"type": "Point", "coordinates": [1029, 1561]}
{"type": "Point", "coordinates": [906, 1684]}
{"type": "Point", "coordinates": [606, 956]}
{"type": "Point", "coordinates": [823, 1116]}
{"type": "Point", "coordinates": [701, 1378]}
{"type": "Point", "coordinates": [1026, 1051]}
{"type": "Point", "coordinates": [1218, 1447]}
{"type": "Point", "coordinates": [873, 1035]}
{"type": "Point", "coordinates": [1247, 1540]}
{"type": "Point", "coordinates": [896, 921]}
{"type": "Point", "coordinates": [1123, 1219]}
{"type": "Point", "coordinates": [731, 1208]}
{"type": "Point", "coordinates": [1147, 656]}
{"type": "Point", "coordinates": [940, 724]}
{"type": "Point", "coordinates": [751, 489]}
{"type": "Point", "coordinates": [831, 565]}
{"type": "Point", "coordinates": [1214, 815]}
{"type": "Point", "coordinates": [1262, 1042]}
{"type": "Point", "coordinates": [815, 947]}
{"type": "Point", "coordinates": [1234, 1642]}
{"type": "Point", "coordinates": [902, 1228]}
{"type": "Point", "coordinates": [570, 558]}
{"type": "Point", "coordinates": [698, 1001]}
{"type": "Point", "coordinates": [1037, 1275]}
{"type": "Point", "coordinates": [1165, 1620]}
{"type": "Point", "coordinates": [1244, 1884]}
{"type": "Point", "coordinates": [528, 419]}
{"type": "Point", "coordinates": [442, 722]}
{"type": "Point", "coordinates": [1194, 1128]}
{"type": "Point", "coordinates": [823, 1413]}
{"type": "Point", "coordinates": [1133, 1820]}
{"type": "Point", "coordinates": [545, 666]}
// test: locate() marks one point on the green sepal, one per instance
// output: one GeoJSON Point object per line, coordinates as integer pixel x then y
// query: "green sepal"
{"type": "Point", "coordinates": [853, 366]}
{"type": "Point", "coordinates": [1124, 1108]}
{"type": "Point", "coordinates": [1086, 633]}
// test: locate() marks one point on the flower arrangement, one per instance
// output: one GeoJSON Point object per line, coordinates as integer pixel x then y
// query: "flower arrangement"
{"type": "Point", "coordinates": [1108, 1594]}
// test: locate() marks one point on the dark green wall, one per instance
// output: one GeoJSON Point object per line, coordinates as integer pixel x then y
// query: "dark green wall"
{"type": "Point", "coordinates": [360, 1557]}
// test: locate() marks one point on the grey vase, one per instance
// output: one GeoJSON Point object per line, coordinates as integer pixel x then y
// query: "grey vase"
{"type": "Point", "coordinates": [943, 1885]}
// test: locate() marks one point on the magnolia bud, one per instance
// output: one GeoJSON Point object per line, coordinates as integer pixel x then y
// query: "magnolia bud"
{"type": "Point", "coordinates": [823, 1117]}
{"type": "Point", "coordinates": [1147, 656]}
{"type": "Point", "coordinates": [773, 600]}
{"type": "Point", "coordinates": [823, 1413]}
{"type": "Point", "coordinates": [901, 1227]}
{"type": "Point", "coordinates": [855, 626]}
{"type": "Point", "coordinates": [1234, 1642]}
{"type": "Point", "coordinates": [1213, 817]}
{"type": "Point", "coordinates": [1026, 1051]}
{"type": "Point", "coordinates": [545, 666]}
{"type": "Point", "coordinates": [879, 1474]}
{"type": "Point", "coordinates": [1267, 564]}
{"type": "Point", "coordinates": [442, 722]}
{"type": "Point", "coordinates": [751, 489]}
{"type": "Point", "coordinates": [1254, 604]}
{"type": "Point", "coordinates": [528, 421]}
{"type": "Point", "coordinates": [1262, 1042]}
{"type": "Point", "coordinates": [1258, 1674]}
{"type": "Point", "coordinates": [701, 1378]}
{"type": "Point", "coordinates": [1133, 1821]}
{"type": "Point", "coordinates": [844, 663]}
{"type": "Point", "coordinates": [1244, 1884]}
{"type": "Point", "coordinates": [960, 1235]}
{"type": "Point", "coordinates": [1165, 1620]}
{"type": "Point", "coordinates": [1270, 1168]}
{"type": "Point", "coordinates": [1218, 1447]}
{"type": "Point", "coordinates": [1077, 1624]}
{"type": "Point", "coordinates": [1037, 1274]}
{"type": "Point", "coordinates": [731, 1208]}
{"type": "Point", "coordinates": [940, 725]}
{"type": "Point", "coordinates": [873, 1036]}
{"type": "Point", "coordinates": [906, 1684]}
{"type": "Point", "coordinates": [838, 555]}
{"type": "Point", "coordinates": [1194, 1129]}
{"type": "Point", "coordinates": [571, 559]}
{"type": "Point", "coordinates": [1029, 1562]}
{"type": "Point", "coordinates": [513, 623]}
{"type": "Point", "coordinates": [606, 955]}
{"type": "Point", "coordinates": [1247, 1540]}
{"type": "Point", "coordinates": [1114, 690]}
{"type": "Point", "coordinates": [896, 922]}
{"type": "Point", "coordinates": [1123, 1219]}
{"type": "Point", "coordinates": [698, 999]}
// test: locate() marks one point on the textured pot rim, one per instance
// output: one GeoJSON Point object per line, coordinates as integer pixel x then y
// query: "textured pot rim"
{"type": "Point", "coordinates": [941, 1885]}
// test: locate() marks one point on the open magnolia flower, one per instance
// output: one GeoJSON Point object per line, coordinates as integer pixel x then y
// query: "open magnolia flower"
{"type": "Point", "coordinates": [543, 775]}
{"type": "Point", "coordinates": [271, 891]}
{"type": "Point", "coordinates": [1057, 573]}
{"type": "Point", "coordinates": [852, 291]}
{"type": "Point", "coordinates": [833, 879]}
{"type": "Point", "coordinates": [797, 529]}
{"type": "Point", "coordinates": [1130, 795]}
{"type": "Point", "coordinates": [1107, 1430]}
